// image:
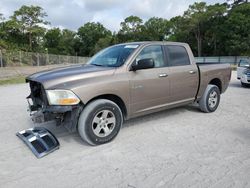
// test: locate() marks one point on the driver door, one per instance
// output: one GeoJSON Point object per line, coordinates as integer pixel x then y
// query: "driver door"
{"type": "Point", "coordinates": [149, 88]}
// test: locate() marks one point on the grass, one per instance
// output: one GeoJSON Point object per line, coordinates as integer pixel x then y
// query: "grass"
{"type": "Point", "coordinates": [13, 80]}
{"type": "Point", "coordinates": [234, 67]}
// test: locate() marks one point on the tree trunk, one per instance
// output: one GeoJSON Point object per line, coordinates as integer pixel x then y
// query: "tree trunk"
{"type": "Point", "coordinates": [30, 40]}
{"type": "Point", "coordinates": [199, 41]}
{"type": "Point", "coordinates": [215, 46]}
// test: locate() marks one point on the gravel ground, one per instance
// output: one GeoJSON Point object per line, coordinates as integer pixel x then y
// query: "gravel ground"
{"type": "Point", "coordinates": [181, 147]}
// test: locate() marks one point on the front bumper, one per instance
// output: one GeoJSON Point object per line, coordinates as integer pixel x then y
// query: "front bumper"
{"type": "Point", "coordinates": [245, 78]}
{"type": "Point", "coordinates": [41, 111]}
{"type": "Point", "coordinates": [63, 115]}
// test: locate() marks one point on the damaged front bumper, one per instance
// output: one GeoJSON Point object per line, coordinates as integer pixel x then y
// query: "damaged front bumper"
{"type": "Point", "coordinates": [41, 111]}
{"type": "Point", "coordinates": [63, 115]}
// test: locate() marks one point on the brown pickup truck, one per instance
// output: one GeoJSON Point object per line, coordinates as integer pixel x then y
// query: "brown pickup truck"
{"type": "Point", "coordinates": [122, 82]}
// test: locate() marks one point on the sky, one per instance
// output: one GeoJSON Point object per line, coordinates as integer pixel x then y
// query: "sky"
{"type": "Point", "coordinates": [72, 14]}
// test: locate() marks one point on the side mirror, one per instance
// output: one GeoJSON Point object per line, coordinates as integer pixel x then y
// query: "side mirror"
{"type": "Point", "coordinates": [143, 64]}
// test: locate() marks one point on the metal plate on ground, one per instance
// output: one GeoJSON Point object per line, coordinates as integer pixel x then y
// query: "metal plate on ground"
{"type": "Point", "coordinates": [40, 140]}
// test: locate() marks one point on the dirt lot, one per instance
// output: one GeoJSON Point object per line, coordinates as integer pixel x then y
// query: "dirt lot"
{"type": "Point", "coordinates": [176, 148]}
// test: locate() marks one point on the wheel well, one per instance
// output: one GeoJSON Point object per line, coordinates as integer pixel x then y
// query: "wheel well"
{"type": "Point", "coordinates": [217, 82]}
{"type": "Point", "coordinates": [115, 99]}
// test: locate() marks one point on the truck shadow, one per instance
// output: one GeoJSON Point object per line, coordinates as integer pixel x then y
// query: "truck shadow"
{"type": "Point", "coordinates": [61, 132]}
{"type": "Point", "coordinates": [238, 85]}
{"type": "Point", "coordinates": [161, 115]}
{"type": "Point", "coordinates": [64, 135]}
{"type": "Point", "coordinates": [235, 84]}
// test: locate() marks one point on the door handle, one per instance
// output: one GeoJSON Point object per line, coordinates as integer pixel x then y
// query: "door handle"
{"type": "Point", "coordinates": [192, 72]}
{"type": "Point", "coordinates": [163, 75]}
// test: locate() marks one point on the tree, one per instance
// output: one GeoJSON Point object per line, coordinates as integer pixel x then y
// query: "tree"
{"type": "Point", "coordinates": [214, 29]}
{"type": "Point", "coordinates": [196, 15]}
{"type": "Point", "coordinates": [131, 29]}
{"type": "Point", "coordinates": [180, 32]}
{"type": "Point", "coordinates": [237, 34]}
{"type": "Point", "coordinates": [28, 20]}
{"type": "Point", "coordinates": [67, 42]}
{"type": "Point", "coordinates": [156, 29]}
{"type": "Point", "coordinates": [2, 32]}
{"type": "Point", "coordinates": [52, 39]}
{"type": "Point", "coordinates": [1, 26]}
{"type": "Point", "coordinates": [131, 24]}
{"type": "Point", "coordinates": [88, 35]}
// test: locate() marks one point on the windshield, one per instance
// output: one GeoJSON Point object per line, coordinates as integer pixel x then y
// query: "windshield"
{"type": "Point", "coordinates": [114, 56]}
{"type": "Point", "coordinates": [244, 63]}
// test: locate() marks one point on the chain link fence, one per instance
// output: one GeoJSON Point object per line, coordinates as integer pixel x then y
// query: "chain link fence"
{"type": "Point", "coordinates": [233, 60]}
{"type": "Point", "coordinates": [21, 58]}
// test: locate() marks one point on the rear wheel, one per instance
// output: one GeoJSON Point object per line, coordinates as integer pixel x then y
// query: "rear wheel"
{"type": "Point", "coordinates": [100, 122]}
{"type": "Point", "coordinates": [210, 99]}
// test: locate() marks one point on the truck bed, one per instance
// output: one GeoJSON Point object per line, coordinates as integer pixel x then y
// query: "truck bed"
{"type": "Point", "coordinates": [213, 72]}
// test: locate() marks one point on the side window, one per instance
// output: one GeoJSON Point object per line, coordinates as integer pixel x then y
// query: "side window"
{"type": "Point", "coordinates": [177, 55]}
{"type": "Point", "coordinates": [154, 52]}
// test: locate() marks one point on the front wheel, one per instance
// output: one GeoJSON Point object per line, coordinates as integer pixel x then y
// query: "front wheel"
{"type": "Point", "coordinates": [100, 122]}
{"type": "Point", "coordinates": [210, 99]}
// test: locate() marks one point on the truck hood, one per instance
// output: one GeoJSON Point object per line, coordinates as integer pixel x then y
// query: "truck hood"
{"type": "Point", "coordinates": [66, 76]}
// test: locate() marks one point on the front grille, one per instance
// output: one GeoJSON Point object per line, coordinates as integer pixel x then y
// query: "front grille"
{"type": "Point", "coordinates": [40, 140]}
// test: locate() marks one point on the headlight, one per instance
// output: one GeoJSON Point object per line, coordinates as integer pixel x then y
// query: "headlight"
{"type": "Point", "coordinates": [62, 97]}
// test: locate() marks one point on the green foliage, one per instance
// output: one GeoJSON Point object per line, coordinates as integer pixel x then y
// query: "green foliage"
{"type": "Point", "coordinates": [197, 16]}
{"type": "Point", "coordinates": [59, 42]}
{"type": "Point", "coordinates": [89, 34]}
{"type": "Point", "coordinates": [211, 30]}
{"type": "Point", "coordinates": [156, 29]}
{"type": "Point", "coordinates": [131, 29]}
{"type": "Point", "coordinates": [214, 30]}
{"type": "Point", "coordinates": [13, 80]}
{"type": "Point", "coordinates": [237, 25]}
{"type": "Point", "coordinates": [52, 39]}
{"type": "Point", "coordinates": [66, 44]}
{"type": "Point", "coordinates": [28, 20]}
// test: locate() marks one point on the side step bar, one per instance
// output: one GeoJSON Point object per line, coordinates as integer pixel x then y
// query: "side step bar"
{"type": "Point", "coordinates": [40, 140]}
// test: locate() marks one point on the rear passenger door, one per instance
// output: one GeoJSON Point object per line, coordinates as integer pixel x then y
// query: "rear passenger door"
{"type": "Point", "coordinates": [183, 75]}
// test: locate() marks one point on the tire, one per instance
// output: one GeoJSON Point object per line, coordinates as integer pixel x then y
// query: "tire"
{"type": "Point", "coordinates": [245, 85]}
{"type": "Point", "coordinates": [210, 100]}
{"type": "Point", "coordinates": [100, 122]}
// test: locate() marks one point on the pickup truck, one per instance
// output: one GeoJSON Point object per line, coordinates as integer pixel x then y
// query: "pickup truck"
{"type": "Point", "coordinates": [122, 82]}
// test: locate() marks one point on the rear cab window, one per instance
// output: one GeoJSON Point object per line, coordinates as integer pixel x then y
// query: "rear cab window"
{"type": "Point", "coordinates": [177, 55]}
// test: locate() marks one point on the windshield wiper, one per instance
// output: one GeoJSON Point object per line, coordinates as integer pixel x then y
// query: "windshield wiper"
{"type": "Point", "coordinates": [96, 64]}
